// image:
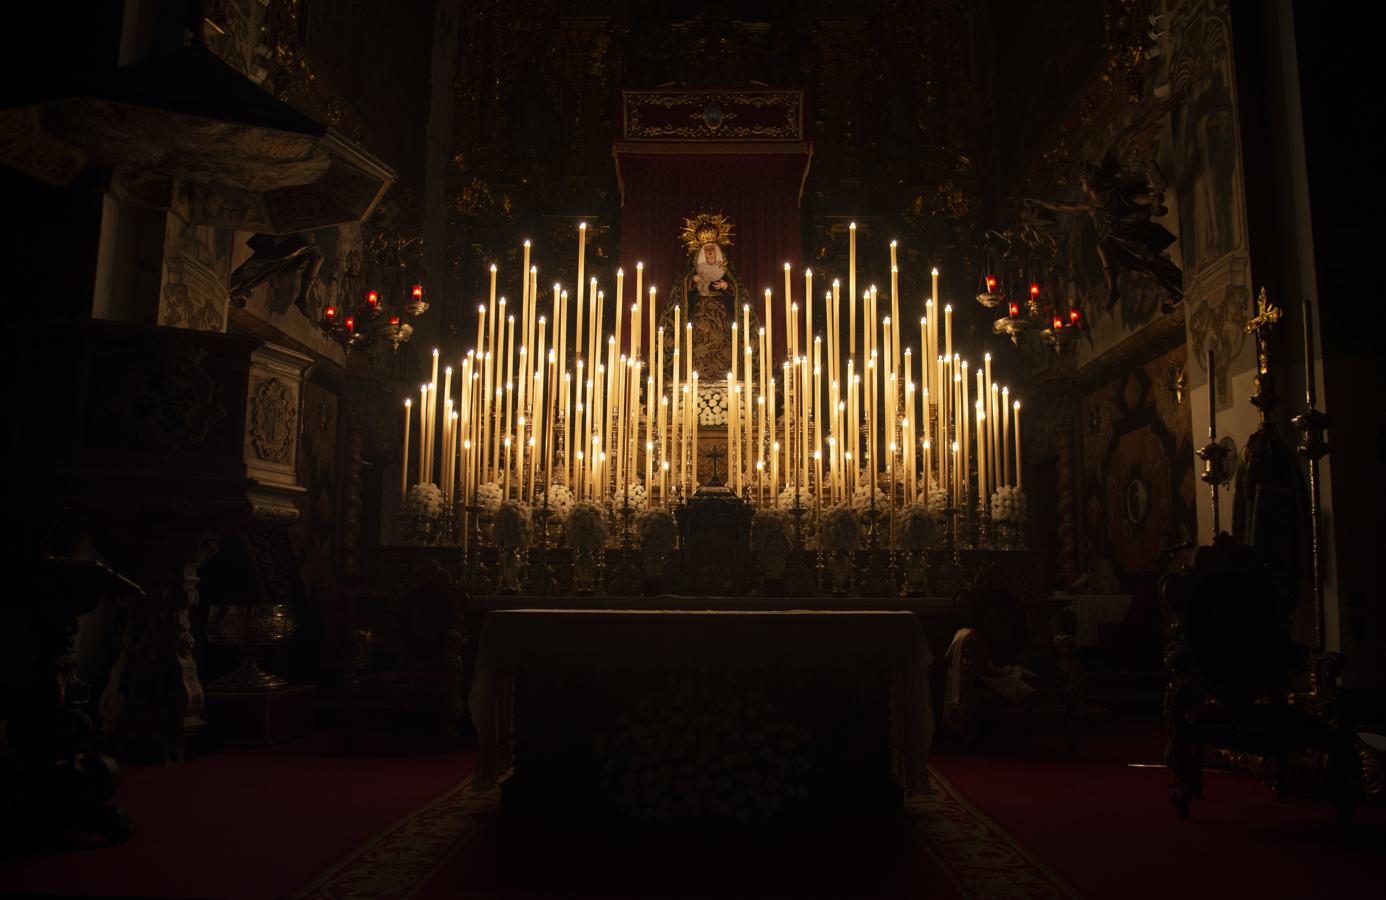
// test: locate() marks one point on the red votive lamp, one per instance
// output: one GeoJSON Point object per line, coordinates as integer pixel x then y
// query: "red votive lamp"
{"type": "Point", "coordinates": [351, 323]}
{"type": "Point", "coordinates": [394, 320]}
{"type": "Point", "coordinates": [330, 313]}
{"type": "Point", "coordinates": [1015, 310]}
{"type": "Point", "coordinates": [1034, 290]}
{"type": "Point", "coordinates": [991, 283]}
{"type": "Point", "coordinates": [1058, 322]}
{"type": "Point", "coordinates": [372, 298]}
{"type": "Point", "coordinates": [417, 291]}
{"type": "Point", "coordinates": [1074, 315]}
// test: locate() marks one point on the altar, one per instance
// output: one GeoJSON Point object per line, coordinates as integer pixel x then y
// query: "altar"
{"type": "Point", "coordinates": [689, 712]}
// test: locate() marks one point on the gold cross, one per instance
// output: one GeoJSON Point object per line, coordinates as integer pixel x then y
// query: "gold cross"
{"type": "Point", "coordinates": [1267, 315]}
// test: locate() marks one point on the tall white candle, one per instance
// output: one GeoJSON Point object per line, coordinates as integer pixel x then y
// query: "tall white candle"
{"type": "Point", "coordinates": [1019, 483]}
{"type": "Point", "coordinates": [1005, 435]}
{"type": "Point", "coordinates": [404, 454]}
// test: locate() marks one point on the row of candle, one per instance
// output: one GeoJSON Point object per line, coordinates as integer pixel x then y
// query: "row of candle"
{"type": "Point", "coordinates": [503, 423]}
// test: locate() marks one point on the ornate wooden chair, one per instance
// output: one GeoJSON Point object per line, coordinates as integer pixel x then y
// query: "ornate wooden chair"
{"type": "Point", "coordinates": [408, 658]}
{"type": "Point", "coordinates": [1232, 664]}
{"type": "Point", "coordinates": [1000, 670]}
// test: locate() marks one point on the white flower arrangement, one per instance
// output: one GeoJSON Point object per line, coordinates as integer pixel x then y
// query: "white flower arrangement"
{"type": "Point", "coordinates": [559, 500]}
{"type": "Point", "coordinates": [917, 527]}
{"type": "Point", "coordinates": [424, 502]}
{"type": "Point", "coordinates": [841, 530]}
{"type": "Point", "coordinates": [514, 525]}
{"type": "Point", "coordinates": [656, 531]}
{"type": "Point", "coordinates": [1008, 505]}
{"type": "Point", "coordinates": [635, 497]}
{"type": "Point", "coordinates": [586, 526]}
{"type": "Point", "coordinates": [786, 498]}
{"type": "Point", "coordinates": [772, 533]}
{"type": "Point", "coordinates": [938, 500]}
{"type": "Point", "coordinates": [694, 750]}
{"type": "Point", "coordinates": [489, 497]}
{"type": "Point", "coordinates": [861, 498]}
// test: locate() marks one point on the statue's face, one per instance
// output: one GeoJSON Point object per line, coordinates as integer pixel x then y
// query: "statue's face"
{"type": "Point", "coordinates": [710, 255]}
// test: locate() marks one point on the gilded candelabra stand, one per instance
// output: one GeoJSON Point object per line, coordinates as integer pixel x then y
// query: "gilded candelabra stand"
{"type": "Point", "coordinates": [951, 514]}
{"type": "Point", "coordinates": [445, 533]}
{"type": "Point", "coordinates": [872, 581]}
{"type": "Point", "coordinates": [800, 582]}
{"type": "Point", "coordinates": [477, 580]}
{"type": "Point", "coordinates": [985, 536]}
{"type": "Point", "coordinates": [540, 578]}
{"type": "Point", "coordinates": [626, 577]}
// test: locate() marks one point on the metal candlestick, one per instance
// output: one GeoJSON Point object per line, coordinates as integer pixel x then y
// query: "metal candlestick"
{"type": "Point", "coordinates": [1313, 447]}
{"type": "Point", "coordinates": [541, 578]}
{"type": "Point", "coordinates": [477, 581]}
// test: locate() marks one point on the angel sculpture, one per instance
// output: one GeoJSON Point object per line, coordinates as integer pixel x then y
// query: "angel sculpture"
{"type": "Point", "coordinates": [274, 255]}
{"type": "Point", "coordinates": [1123, 199]}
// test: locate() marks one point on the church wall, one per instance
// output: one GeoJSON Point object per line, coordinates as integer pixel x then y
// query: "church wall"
{"type": "Point", "coordinates": [1228, 127]}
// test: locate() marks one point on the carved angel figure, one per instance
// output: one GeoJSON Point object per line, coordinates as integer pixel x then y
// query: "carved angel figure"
{"type": "Point", "coordinates": [1123, 195]}
{"type": "Point", "coordinates": [276, 254]}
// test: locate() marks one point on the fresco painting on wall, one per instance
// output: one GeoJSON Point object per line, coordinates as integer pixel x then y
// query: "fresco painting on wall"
{"type": "Point", "coordinates": [1139, 487]}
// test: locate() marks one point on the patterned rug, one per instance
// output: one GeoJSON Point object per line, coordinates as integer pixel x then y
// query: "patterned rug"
{"type": "Point", "coordinates": [442, 849]}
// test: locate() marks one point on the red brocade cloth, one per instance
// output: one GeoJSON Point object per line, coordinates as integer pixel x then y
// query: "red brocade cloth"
{"type": "Point", "coordinates": [758, 192]}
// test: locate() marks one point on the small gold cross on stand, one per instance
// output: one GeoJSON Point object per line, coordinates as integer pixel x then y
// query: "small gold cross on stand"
{"type": "Point", "coordinates": [1260, 327]}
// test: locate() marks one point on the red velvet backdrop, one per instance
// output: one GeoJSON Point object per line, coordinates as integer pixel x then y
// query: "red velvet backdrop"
{"type": "Point", "coordinates": [759, 194]}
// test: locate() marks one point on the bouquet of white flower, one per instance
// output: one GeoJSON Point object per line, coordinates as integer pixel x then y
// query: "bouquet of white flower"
{"type": "Point", "coordinates": [938, 500]}
{"type": "Point", "coordinates": [917, 527]}
{"type": "Point", "coordinates": [586, 526]}
{"type": "Point", "coordinates": [489, 497]}
{"type": "Point", "coordinates": [861, 498]}
{"type": "Point", "coordinates": [514, 525]}
{"type": "Point", "coordinates": [559, 500]}
{"type": "Point", "coordinates": [424, 502]}
{"type": "Point", "coordinates": [772, 537]}
{"type": "Point", "coordinates": [841, 530]}
{"type": "Point", "coordinates": [1008, 505]}
{"type": "Point", "coordinates": [787, 498]}
{"type": "Point", "coordinates": [656, 531]}
{"type": "Point", "coordinates": [635, 497]}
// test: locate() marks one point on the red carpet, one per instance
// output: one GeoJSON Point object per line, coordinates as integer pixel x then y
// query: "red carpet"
{"type": "Point", "coordinates": [304, 819]}
{"type": "Point", "coordinates": [244, 823]}
{"type": "Point", "coordinates": [1108, 829]}
{"type": "Point", "coordinates": [464, 845]}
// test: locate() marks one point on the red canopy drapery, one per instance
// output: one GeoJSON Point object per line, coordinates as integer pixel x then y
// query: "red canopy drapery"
{"type": "Point", "coordinates": [758, 192]}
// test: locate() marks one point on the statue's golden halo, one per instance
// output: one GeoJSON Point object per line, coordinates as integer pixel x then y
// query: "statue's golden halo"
{"type": "Point", "coordinates": [706, 228]}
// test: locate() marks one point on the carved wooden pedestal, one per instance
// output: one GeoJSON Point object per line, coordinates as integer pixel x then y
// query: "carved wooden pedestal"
{"type": "Point", "coordinates": [160, 439]}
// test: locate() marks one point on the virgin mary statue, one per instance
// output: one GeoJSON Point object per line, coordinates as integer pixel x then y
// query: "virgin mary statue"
{"type": "Point", "coordinates": [709, 295]}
